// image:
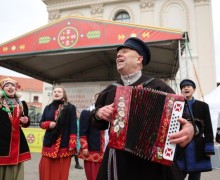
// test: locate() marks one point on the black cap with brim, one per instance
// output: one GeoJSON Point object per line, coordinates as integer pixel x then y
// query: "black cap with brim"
{"type": "Point", "coordinates": [188, 82]}
{"type": "Point", "coordinates": [139, 46]}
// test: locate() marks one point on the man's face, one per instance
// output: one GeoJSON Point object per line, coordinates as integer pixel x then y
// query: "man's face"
{"type": "Point", "coordinates": [128, 61]}
{"type": "Point", "coordinates": [188, 91]}
{"type": "Point", "coordinates": [9, 89]}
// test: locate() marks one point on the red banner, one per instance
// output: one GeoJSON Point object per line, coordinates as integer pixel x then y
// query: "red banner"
{"type": "Point", "coordinates": [76, 33]}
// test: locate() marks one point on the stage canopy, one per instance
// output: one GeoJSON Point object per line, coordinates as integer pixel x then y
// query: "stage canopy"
{"type": "Point", "coordinates": [79, 49]}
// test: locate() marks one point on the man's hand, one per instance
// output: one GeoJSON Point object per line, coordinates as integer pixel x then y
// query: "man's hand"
{"type": "Point", "coordinates": [105, 112]}
{"type": "Point", "coordinates": [185, 135]}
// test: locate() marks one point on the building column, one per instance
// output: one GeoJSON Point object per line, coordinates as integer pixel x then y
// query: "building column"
{"type": "Point", "coordinates": [205, 45]}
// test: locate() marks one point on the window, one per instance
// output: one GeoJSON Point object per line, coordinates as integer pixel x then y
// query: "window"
{"type": "Point", "coordinates": [35, 99]}
{"type": "Point", "coordinates": [122, 16]}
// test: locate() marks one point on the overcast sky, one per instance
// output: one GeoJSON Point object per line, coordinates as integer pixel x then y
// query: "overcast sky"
{"type": "Point", "coordinates": [21, 16]}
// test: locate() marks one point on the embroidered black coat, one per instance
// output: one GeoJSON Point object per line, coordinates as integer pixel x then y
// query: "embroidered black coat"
{"type": "Point", "coordinates": [13, 144]}
{"type": "Point", "coordinates": [129, 166]}
{"type": "Point", "coordinates": [57, 141]}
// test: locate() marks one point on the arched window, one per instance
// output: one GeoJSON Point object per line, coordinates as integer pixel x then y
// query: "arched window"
{"type": "Point", "coordinates": [122, 16]}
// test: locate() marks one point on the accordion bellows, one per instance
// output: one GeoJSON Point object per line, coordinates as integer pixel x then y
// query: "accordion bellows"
{"type": "Point", "coordinates": [143, 120]}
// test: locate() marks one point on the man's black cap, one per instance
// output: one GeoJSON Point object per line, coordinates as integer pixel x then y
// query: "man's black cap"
{"type": "Point", "coordinates": [139, 46]}
{"type": "Point", "coordinates": [187, 82]}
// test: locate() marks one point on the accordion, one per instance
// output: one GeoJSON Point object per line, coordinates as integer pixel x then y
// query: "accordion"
{"type": "Point", "coordinates": [143, 119]}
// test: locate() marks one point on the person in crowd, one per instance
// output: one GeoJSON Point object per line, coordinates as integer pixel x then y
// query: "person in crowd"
{"type": "Point", "coordinates": [59, 143]}
{"type": "Point", "coordinates": [93, 144]}
{"type": "Point", "coordinates": [14, 150]}
{"type": "Point", "coordinates": [78, 145]}
{"type": "Point", "coordinates": [196, 158]}
{"type": "Point", "coordinates": [131, 57]}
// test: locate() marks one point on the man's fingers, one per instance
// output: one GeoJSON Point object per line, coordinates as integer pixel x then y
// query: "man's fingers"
{"type": "Point", "coordinates": [184, 136]}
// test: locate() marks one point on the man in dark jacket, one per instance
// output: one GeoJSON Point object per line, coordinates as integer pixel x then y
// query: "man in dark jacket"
{"type": "Point", "coordinates": [197, 154]}
{"type": "Point", "coordinates": [131, 57]}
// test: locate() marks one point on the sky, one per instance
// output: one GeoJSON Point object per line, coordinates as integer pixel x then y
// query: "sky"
{"type": "Point", "coordinates": [18, 17]}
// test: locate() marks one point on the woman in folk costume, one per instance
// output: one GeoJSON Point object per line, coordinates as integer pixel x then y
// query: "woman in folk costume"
{"type": "Point", "coordinates": [59, 144]}
{"type": "Point", "coordinates": [14, 149]}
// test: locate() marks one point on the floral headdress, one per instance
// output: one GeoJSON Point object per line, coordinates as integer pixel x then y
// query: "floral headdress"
{"type": "Point", "coordinates": [4, 81]}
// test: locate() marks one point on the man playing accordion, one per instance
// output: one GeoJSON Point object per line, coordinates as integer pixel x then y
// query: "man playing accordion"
{"type": "Point", "coordinates": [132, 56]}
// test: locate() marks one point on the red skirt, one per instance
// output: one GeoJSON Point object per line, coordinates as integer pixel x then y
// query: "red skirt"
{"type": "Point", "coordinates": [91, 169]}
{"type": "Point", "coordinates": [56, 169]}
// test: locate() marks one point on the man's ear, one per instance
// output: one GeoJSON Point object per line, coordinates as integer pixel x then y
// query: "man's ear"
{"type": "Point", "coordinates": [140, 59]}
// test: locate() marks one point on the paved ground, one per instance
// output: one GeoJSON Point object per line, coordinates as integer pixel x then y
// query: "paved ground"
{"type": "Point", "coordinates": [31, 170]}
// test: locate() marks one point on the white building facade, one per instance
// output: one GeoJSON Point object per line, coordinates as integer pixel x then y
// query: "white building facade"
{"type": "Point", "coordinates": [191, 16]}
